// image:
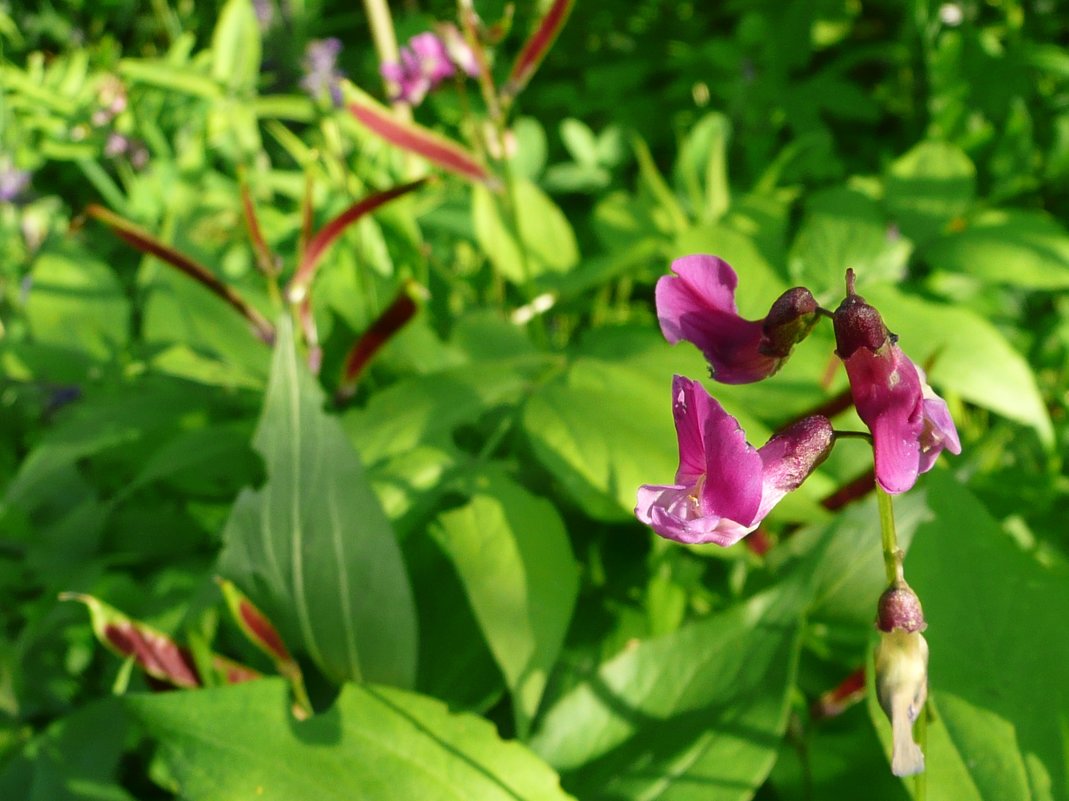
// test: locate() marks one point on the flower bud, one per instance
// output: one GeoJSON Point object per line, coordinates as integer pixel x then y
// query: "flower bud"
{"type": "Point", "coordinates": [899, 608]}
{"type": "Point", "coordinates": [789, 321]}
{"type": "Point", "coordinates": [857, 324]}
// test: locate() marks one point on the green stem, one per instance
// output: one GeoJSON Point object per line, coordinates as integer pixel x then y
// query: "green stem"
{"type": "Point", "coordinates": [381, 23]}
{"type": "Point", "coordinates": [888, 535]}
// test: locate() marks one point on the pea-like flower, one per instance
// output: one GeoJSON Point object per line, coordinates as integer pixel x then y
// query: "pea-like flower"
{"type": "Point", "coordinates": [698, 304]}
{"type": "Point", "coordinates": [426, 61]}
{"type": "Point", "coordinates": [724, 486]}
{"type": "Point", "coordinates": [910, 424]}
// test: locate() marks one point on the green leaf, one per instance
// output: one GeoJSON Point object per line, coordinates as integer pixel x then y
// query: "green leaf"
{"type": "Point", "coordinates": [74, 759]}
{"type": "Point", "coordinates": [547, 236]}
{"type": "Point", "coordinates": [997, 667]}
{"type": "Point", "coordinates": [701, 168]}
{"type": "Point", "coordinates": [513, 556]}
{"type": "Point", "coordinates": [1025, 249]}
{"type": "Point", "coordinates": [374, 744]}
{"type": "Point", "coordinates": [696, 714]}
{"type": "Point", "coordinates": [425, 410]}
{"type": "Point", "coordinates": [76, 302]}
{"type": "Point", "coordinates": [928, 187]}
{"type": "Point", "coordinates": [312, 546]}
{"type": "Point", "coordinates": [968, 354]}
{"type": "Point", "coordinates": [845, 228]}
{"type": "Point", "coordinates": [236, 47]}
{"type": "Point", "coordinates": [580, 141]}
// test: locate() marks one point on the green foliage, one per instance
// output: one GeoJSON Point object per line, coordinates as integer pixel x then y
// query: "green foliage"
{"type": "Point", "coordinates": [450, 554]}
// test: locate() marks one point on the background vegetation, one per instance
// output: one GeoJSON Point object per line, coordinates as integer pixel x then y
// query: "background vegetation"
{"type": "Point", "coordinates": [445, 540]}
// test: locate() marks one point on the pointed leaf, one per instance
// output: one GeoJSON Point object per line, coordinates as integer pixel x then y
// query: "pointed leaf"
{"type": "Point", "coordinates": [326, 236]}
{"type": "Point", "coordinates": [537, 45]}
{"type": "Point", "coordinates": [374, 744]}
{"type": "Point", "coordinates": [696, 715]}
{"type": "Point", "coordinates": [312, 546]}
{"type": "Point", "coordinates": [147, 243]}
{"type": "Point", "coordinates": [513, 556]}
{"type": "Point", "coordinates": [236, 46]}
{"type": "Point", "coordinates": [447, 154]}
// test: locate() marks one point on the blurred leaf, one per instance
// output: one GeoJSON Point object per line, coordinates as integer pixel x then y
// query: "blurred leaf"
{"type": "Point", "coordinates": [236, 47]}
{"type": "Point", "coordinates": [312, 546]}
{"type": "Point", "coordinates": [701, 167]}
{"type": "Point", "coordinates": [425, 410]}
{"type": "Point", "coordinates": [76, 302]}
{"type": "Point", "coordinates": [75, 759]}
{"type": "Point", "coordinates": [374, 743]}
{"type": "Point", "coordinates": [696, 714]}
{"type": "Point", "coordinates": [1026, 249]}
{"type": "Point", "coordinates": [580, 140]}
{"type": "Point", "coordinates": [513, 556]}
{"type": "Point", "coordinates": [928, 187]}
{"type": "Point", "coordinates": [545, 232]}
{"type": "Point", "coordinates": [968, 354]}
{"type": "Point", "coordinates": [998, 690]}
{"type": "Point", "coordinates": [845, 228]}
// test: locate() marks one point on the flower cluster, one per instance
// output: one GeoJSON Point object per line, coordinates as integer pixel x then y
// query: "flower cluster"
{"type": "Point", "coordinates": [321, 73]}
{"type": "Point", "coordinates": [724, 487]}
{"type": "Point", "coordinates": [427, 60]}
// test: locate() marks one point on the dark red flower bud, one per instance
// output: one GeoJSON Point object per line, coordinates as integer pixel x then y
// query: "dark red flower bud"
{"type": "Point", "coordinates": [789, 321]}
{"type": "Point", "coordinates": [857, 324]}
{"type": "Point", "coordinates": [900, 608]}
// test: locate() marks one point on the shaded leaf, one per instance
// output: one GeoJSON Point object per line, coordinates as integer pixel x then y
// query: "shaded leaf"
{"type": "Point", "coordinates": [1017, 248]}
{"type": "Point", "coordinates": [374, 743]}
{"type": "Point", "coordinates": [312, 546]}
{"type": "Point", "coordinates": [694, 715]}
{"type": "Point", "coordinates": [929, 187]}
{"type": "Point", "coordinates": [513, 556]}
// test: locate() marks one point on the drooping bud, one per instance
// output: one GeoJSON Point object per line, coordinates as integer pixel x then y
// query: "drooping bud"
{"type": "Point", "coordinates": [788, 322]}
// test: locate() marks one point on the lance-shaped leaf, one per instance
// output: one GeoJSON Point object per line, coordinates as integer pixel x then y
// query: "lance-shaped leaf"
{"type": "Point", "coordinates": [302, 279]}
{"type": "Point", "coordinates": [147, 243]}
{"type": "Point", "coordinates": [265, 259]}
{"type": "Point", "coordinates": [160, 657]}
{"type": "Point", "coordinates": [312, 547]}
{"type": "Point", "coordinates": [262, 633]}
{"type": "Point", "coordinates": [447, 154]}
{"type": "Point", "coordinates": [392, 320]}
{"type": "Point", "coordinates": [537, 45]}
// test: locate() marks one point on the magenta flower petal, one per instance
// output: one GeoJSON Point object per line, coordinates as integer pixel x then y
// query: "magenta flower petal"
{"type": "Point", "coordinates": [910, 424]}
{"type": "Point", "coordinates": [724, 488]}
{"type": "Point", "coordinates": [698, 304]}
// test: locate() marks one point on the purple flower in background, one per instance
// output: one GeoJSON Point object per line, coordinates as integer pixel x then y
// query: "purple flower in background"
{"type": "Point", "coordinates": [426, 61]}
{"type": "Point", "coordinates": [724, 486]}
{"type": "Point", "coordinates": [321, 73]}
{"type": "Point", "coordinates": [265, 14]}
{"type": "Point", "coordinates": [910, 424]}
{"type": "Point", "coordinates": [698, 304]}
{"type": "Point", "coordinates": [13, 181]}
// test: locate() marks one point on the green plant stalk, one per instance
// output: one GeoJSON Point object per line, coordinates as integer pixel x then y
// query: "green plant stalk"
{"type": "Point", "coordinates": [382, 32]}
{"type": "Point", "coordinates": [887, 533]}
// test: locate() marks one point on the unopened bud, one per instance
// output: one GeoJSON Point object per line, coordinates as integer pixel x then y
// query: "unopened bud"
{"type": "Point", "coordinates": [899, 609]}
{"type": "Point", "coordinates": [788, 322]}
{"type": "Point", "coordinates": [857, 324]}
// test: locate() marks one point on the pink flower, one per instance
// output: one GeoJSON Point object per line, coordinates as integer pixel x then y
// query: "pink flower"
{"type": "Point", "coordinates": [698, 304]}
{"type": "Point", "coordinates": [724, 486]}
{"type": "Point", "coordinates": [426, 61]}
{"type": "Point", "coordinates": [910, 424]}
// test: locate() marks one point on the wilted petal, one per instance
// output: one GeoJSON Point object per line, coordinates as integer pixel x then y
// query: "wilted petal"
{"type": "Point", "coordinates": [902, 688]}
